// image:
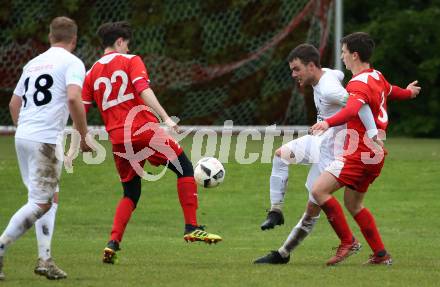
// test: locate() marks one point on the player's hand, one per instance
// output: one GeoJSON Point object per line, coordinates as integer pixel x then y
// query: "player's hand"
{"type": "Point", "coordinates": [68, 163]}
{"type": "Point", "coordinates": [172, 125]}
{"type": "Point", "coordinates": [84, 146]}
{"type": "Point", "coordinates": [319, 128]}
{"type": "Point", "coordinates": [415, 90]}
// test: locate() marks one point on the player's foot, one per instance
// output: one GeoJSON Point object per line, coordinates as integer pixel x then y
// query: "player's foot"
{"type": "Point", "coordinates": [49, 269]}
{"type": "Point", "coordinates": [274, 257]}
{"type": "Point", "coordinates": [2, 275]}
{"type": "Point", "coordinates": [273, 218]}
{"type": "Point", "coordinates": [110, 256]}
{"type": "Point", "coordinates": [344, 251]}
{"type": "Point", "coordinates": [197, 233]}
{"type": "Point", "coordinates": [380, 260]}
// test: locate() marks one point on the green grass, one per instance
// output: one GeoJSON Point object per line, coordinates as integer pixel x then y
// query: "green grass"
{"type": "Point", "coordinates": [405, 200]}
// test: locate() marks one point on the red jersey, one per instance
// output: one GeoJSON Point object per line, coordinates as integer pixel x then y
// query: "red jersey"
{"type": "Point", "coordinates": [369, 87]}
{"type": "Point", "coordinates": [115, 82]}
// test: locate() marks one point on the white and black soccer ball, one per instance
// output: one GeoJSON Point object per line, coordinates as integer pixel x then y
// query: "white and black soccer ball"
{"type": "Point", "coordinates": [209, 172]}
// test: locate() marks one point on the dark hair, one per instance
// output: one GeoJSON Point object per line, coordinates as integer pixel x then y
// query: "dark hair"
{"type": "Point", "coordinates": [62, 29]}
{"type": "Point", "coordinates": [306, 53]}
{"type": "Point", "coordinates": [109, 32]}
{"type": "Point", "coordinates": [361, 43]}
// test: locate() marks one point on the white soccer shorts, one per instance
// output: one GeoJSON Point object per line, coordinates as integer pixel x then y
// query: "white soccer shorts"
{"type": "Point", "coordinates": [40, 169]}
{"type": "Point", "coordinates": [308, 150]}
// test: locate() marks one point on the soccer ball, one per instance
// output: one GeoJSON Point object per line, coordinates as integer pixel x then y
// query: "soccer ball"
{"type": "Point", "coordinates": [209, 172]}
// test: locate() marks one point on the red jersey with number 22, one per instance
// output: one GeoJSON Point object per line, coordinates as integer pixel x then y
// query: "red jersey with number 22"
{"type": "Point", "coordinates": [113, 83]}
{"type": "Point", "coordinates": [370, 87]}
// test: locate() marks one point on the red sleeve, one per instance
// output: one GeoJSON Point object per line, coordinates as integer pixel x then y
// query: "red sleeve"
{"type": "Point", "coordinates": [87, 94]}
{"type": "Point", "coordinates": [138, 74]}
{"type": "Point", "coordinates": [397, 93]}
{"type": "Point", "coordinates": [350, 111]}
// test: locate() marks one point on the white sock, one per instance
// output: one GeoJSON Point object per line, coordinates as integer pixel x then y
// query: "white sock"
{"type": "Point", "coordinates": [44, 230]}
{"type": "Point", "coordinates": [298, 233]}
{"type": "Point", "coordinates": [20, 222]}
{"type": "Point", "coordinates": [278, 183]}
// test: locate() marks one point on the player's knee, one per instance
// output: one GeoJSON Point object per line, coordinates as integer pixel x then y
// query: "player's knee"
{"type": "Point", "coordinates": [132, 189]}
{"type": "Point", "coordinates": [353, 207]}
{"type": "Point", "coordinates": [182, 166]}
{"type": "Point", "coordinates": [278, 152]}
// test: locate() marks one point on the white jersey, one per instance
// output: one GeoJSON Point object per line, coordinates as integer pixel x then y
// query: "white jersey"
{"type": "Point", "coordinates": [330, 96]}
{"type": "Point", "coordinates": [43, 88]}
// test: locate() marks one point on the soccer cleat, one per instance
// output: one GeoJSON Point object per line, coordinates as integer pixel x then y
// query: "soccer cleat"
{"type": "Point", "coordinates": [197, 233]}
{"type": "Point", "coordinates": [274, 257]}
{"type": "Point", "coordinates": [344, 251]}
{"type": "Point", "coordinates": [2, 275]}
{"type": "Point", "coordinates": [49, 269]}
{"type": "Point", "coordinates": [273, 218]}
{"type": "Point", "coordinates": [110, 256]}
{"type": "Point", "coordinates": [380, 260]}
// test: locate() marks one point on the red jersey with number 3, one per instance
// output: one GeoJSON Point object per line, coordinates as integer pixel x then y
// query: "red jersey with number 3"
{"type": "Point", "coordinates": [111, 83]}
{"type": "Point", "coordinates": [370, 87]}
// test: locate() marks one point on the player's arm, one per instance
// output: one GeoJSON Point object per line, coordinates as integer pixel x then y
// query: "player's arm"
{"type": "Point", "coordinates": [16, 99]}
{"type": "Point", "coordinates": [15, 107]}
{"type": "Point", "coordinates": [74, 83]}
{"type": "Point", "coordinates": [346, 114]}
{"type": "Point", "coordinates": [150, 100]}
{"type": "Point", "coordinates": [139, 77]}
{"type": "Point", "coordinates": [367, 119]}
{"type": "Point", "coordinates": [76, 108]}
{"type": "Point", "coordinates": [411, 91]}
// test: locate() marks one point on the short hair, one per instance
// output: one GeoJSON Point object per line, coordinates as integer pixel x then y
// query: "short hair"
{"type": "Point", "coordinates": [62, 29]}
{"type": "Point", "coordinates": [109, 32]}
{"type": "Point", "coordinates": [359, 42]}
{"type": "Point", "coordinates": [306, 53]}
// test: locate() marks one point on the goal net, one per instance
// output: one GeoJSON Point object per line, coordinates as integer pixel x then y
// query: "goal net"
{"type": "Point", "coordinates": [209, 61]}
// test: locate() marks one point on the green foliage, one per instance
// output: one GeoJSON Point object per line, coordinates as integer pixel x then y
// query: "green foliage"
{"type": "Point", "coordinates": [407, 49]}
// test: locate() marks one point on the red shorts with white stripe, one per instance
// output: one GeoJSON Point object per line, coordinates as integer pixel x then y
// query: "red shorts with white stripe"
{"type": "Point", "coordinates": [155, 146]}
{"type": "Point", "coordinates": [355, 174]}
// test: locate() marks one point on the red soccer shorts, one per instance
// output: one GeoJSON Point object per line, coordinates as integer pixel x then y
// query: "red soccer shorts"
{"type": "Point", "coordinates": [354, 173]}
{"type": "Point", "coordinates": [155, 146]}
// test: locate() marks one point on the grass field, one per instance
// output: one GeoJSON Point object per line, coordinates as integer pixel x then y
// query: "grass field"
{"type": "Point", "coordinates": [405, 201]}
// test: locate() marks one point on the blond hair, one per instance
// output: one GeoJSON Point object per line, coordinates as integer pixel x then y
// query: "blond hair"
{"type": "Point", "coordinates": [62, 29]}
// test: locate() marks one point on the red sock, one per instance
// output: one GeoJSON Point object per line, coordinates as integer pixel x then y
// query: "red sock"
{"type": "Point", "coordinates": [337, 220]}
{"type": "Point", "coordinates": [366, 222]}
{"type": "Point", "coordinates": [187, 190]}
{"type": "Point", "coordinates": [122, 216]}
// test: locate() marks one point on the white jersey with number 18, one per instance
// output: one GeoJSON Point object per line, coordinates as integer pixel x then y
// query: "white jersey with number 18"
{"type": "Point", "coordinates": [43, 88]}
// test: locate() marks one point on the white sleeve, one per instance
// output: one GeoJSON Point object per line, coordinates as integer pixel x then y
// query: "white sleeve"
{"type": "Point", "coordinates": [20, 89]}
{"type": "Point", "coordinates": [337, 95]}
{"type": "Point", "coordinates": [75, 73]}
{"type": "Point", "coordinates": [366, 116]}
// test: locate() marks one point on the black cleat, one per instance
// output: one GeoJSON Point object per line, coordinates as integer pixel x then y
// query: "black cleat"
{"type": "Point", "coordinates": [273, 218]}
{"type": "Point", "coordinates": [274, 257]}
{"type": "Point", "coordinates": [110, 256]}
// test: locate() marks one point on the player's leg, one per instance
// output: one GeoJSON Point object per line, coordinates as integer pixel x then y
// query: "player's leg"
{"type": "Point", "coordinates": [187, 192]}
{"type": "Point", "coordinates": [303, 228]}
{"type": "Point", "coordinates": [44, 228]}
{"type": "Point", "coordinates": [131, 184]}
{"type": "Point", "coordinates": [35, 159]}
{"type": "Point", "coordinates": [322, 192]}
{"type": "Point", "coordinates": [367, 224]}
{"type": "Point", "coordinates": [278, 183]}
{"type": "Point", "coordinates": [303, 150]}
